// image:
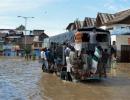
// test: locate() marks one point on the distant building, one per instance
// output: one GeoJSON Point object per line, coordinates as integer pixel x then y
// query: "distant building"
{"type": "Point", "coordinates": [14, 41]}
{"type": "Point", "coordinates": [39, 36]}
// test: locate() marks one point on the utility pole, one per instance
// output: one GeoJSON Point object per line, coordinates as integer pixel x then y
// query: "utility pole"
{"type": "Point", "coordinates": [25, 18]}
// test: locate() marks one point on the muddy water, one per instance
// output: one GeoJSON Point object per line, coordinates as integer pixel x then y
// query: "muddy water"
{"type": "Point", "coordinates": [19, 79]}
{"type": "Point", "coordinates": [115, 87]}
{"type": "Point", "coordinates": [24, 80]}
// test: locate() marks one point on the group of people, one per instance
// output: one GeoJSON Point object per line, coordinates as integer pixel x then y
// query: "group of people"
{"type": "Point", "coordinates": [47, 60]}
{"type": "Point", "coordinates": [86, 63]}
{"type": "Point", "coordinates": [52, 63]}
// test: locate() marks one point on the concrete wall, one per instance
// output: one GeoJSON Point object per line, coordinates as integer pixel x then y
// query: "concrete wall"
{"type": "Point", "coordinates": [121, 40]}
{"type": "Point", "coordinates": [116, 31]}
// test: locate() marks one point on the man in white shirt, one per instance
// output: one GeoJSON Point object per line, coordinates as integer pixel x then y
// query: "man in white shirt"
{"type": "Point", "coordinates": [68, 65]}
{"type": "Point", "coordinates": [44, 59]}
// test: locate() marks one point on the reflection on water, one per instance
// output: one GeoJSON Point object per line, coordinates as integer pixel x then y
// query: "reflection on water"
{"type": "Point", "coordinates": [111, 88]}
{"type": "Point", "coordinates": [18, 80]}
{"type": "Point", "coordinates": [9, 92]}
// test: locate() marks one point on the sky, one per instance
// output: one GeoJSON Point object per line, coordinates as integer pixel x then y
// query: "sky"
{"type": "Point", "coordinates": [53, 16]}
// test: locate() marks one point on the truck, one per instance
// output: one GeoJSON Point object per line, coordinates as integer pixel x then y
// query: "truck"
{"type": "Point", "coordinates": [89, 44]}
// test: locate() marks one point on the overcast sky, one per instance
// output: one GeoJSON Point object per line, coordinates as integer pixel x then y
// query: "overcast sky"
{"type": "Point", "coordinates": [54, 15]}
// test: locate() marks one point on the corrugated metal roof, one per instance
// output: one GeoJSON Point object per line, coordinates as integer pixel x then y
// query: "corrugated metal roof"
{"type": "Point", "coordinates": [89, 22]}
{"type": "Point", "coordinates": [103, 18]}
{"type": "Point", "coordinates": [78, 24]}
{"type": "Point", "coordinates": [122, 12]}
{"type": "Point", "coordinates": [75, 25]}
{"type": "Point", "coordinates": [120, 16]}
{"type": "Point", "coordinates": [107, 19]}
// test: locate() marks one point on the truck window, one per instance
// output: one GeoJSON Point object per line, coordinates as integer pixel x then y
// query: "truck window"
{"type": "Point", "coordinates": [85, 37]}
{"type": "Point", "coordinates": [102, 38]}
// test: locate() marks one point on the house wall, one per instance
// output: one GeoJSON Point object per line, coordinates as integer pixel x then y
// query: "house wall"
{"type": "Point", "coordinates": [121, 40]}
{"type": "Point", "coordinates": [117, 31]}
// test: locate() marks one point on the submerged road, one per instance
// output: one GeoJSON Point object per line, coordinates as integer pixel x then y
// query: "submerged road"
{"type": "Point", "coordinates": [115, 87]}
{"type": "Point", "coordinates": [19, 79]}
{"type": "Point", "coordinates": [24, 80]}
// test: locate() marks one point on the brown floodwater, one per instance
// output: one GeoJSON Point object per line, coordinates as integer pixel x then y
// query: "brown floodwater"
{"type": "Point", "coordinates": [115, 87]}
{"type": "Point", "coordinates": [24, 80]}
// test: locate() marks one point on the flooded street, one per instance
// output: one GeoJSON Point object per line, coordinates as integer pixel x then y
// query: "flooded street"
{"type": "Point", "coordinates": [24, 80]}
{"type": "Point", "coordinates": [115, 87]}
{"type": "Point", "coordinates": [19, 79]}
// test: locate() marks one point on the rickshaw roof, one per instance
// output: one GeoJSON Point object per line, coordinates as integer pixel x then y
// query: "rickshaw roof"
{"type": "Point", "coordinates": [93, 28]}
